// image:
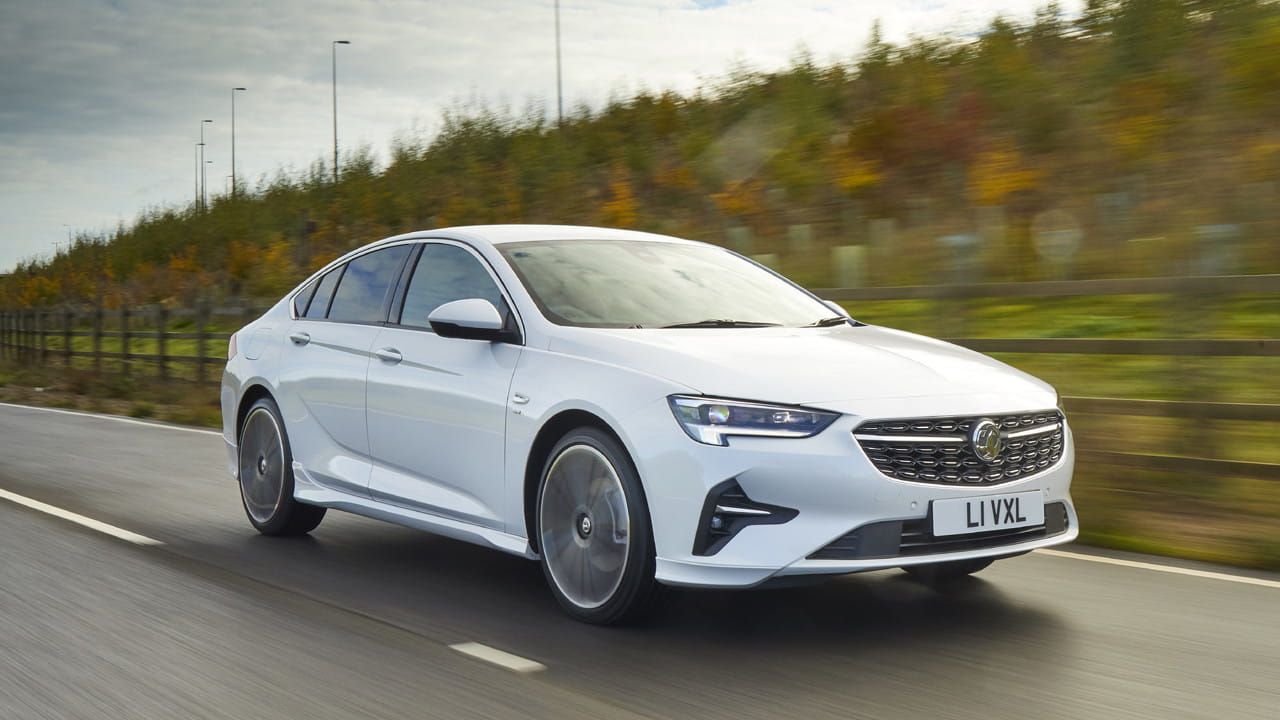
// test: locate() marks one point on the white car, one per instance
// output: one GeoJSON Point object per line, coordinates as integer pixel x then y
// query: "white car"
{"type": "Point", "coordinates": [634, 410]}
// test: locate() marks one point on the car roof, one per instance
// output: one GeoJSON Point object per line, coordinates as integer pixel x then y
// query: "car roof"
{"type": "Point", "coordinates": [500, 234]}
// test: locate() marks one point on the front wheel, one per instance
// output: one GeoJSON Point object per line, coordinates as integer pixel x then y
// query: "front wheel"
{"type": "Point", "coordinates": [943, 572]}
{"type": "Point", "coordinates": [594, 531]}
{"type": "Point", "coordinates": [266, 475]}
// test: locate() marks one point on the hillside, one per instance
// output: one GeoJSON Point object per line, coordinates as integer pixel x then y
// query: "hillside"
{"type": "Point", "coordinates": [1144, 133]}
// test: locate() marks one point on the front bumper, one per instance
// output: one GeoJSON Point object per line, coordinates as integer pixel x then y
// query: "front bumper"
{"type": "Point", "coordinates": [836, 492]}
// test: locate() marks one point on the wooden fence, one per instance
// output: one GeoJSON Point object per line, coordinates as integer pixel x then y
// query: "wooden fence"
{"type": "Point", "coordinates": [1193, 299]}
{"type": "Point", "coordinates": [48, 335]}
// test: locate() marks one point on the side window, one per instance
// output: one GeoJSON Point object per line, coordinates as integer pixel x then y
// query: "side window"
{"type": "Point", "coordinates": [446, 273]}
{"type": "Point", "coordinates": [324, 292]}
{"type": "Point", "coordinates": [303, 297]}
{"type": "Point", "coordinates": [364, 285]}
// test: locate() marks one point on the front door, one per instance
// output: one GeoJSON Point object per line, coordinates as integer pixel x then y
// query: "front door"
{"type": "Point", "coordinates": [437, 406]}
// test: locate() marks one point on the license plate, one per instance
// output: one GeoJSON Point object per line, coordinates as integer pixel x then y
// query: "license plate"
{"type": "Point", "coordinates": [987, 512]}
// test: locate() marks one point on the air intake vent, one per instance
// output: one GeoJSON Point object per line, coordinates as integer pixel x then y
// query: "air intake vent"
{"type": "Point", "coordinates": [909, 538]}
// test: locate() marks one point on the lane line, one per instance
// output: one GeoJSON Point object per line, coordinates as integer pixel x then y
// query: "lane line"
{"type": "Point", "coordinates": [1171, 569]}
{"type": "Point", "coordinates": [117, 418]}
{"type": "Point", "coordinates": [498, 657]}
{"type": "Point", "coordinates": [88, 522]}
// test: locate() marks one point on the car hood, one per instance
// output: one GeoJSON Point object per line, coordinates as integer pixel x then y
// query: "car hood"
{"type": "Point", "coordinates": [830, 367]}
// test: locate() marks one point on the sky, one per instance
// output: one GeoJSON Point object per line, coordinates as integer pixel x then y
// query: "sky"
{"type": "Point", "coordinates": [101, 101]}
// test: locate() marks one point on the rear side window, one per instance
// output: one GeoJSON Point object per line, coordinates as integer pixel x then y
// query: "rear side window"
{"type": "Point", "coordinates": [324, 292]}
{"type": "Point", "coordinates": [361, 294]}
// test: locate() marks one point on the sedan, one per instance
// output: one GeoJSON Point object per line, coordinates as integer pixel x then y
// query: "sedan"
{"type": "Point", "coordinates": [634, 410]}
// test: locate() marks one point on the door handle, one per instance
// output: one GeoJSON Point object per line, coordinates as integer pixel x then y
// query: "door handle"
{"type": "Point", "coordinates": [300, 338]}
{"type": "Point", "coordinates": [390, 355]}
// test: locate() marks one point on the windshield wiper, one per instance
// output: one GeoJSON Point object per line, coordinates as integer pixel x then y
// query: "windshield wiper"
{"type": "Point", "coordinates": [714, 323]}
{"type": "Point", "coordinates": [829, 322]}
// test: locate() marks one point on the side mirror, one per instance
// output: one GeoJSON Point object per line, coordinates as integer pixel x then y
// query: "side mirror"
{"type": "Point", "coordinates": [472, 319]}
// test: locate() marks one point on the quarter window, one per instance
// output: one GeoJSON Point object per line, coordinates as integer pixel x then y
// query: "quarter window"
{"type": "Point", "coordinates": [303, 297]}
{"type": "Point", "coordinates": [324, 292]}
{"type": "Point", "coordinates": [446, 273]}
{"type": "Point", "coordinates": [363, 290]}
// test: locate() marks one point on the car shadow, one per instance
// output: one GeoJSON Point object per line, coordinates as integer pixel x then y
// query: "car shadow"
{"type": "Point", "coordinates": [431, 584]}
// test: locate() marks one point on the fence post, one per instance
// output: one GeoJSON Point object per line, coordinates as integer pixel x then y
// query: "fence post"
{"type": "Point", "coordinates": [162, 318]}
{"type": "Point", "coordinates": [97, 340]}
{"type": "Point", "coordinates": [202, 337]}
{"type": "Point", "coordinates": [41, 338]}
{"type": "Point", "coordinates": [68, 318]}
{"type": "Point", "coordinates": [124, 340]}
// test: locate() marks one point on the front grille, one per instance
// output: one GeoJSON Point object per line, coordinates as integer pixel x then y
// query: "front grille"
{"type": "Point", "coordinates": [938, 450]}
{"type": "Point", "coordinates": [908, 538]}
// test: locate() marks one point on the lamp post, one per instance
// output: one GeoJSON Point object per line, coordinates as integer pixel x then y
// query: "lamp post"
{"type": "Point", "coordinates": [204, 188]}
{"type": "Point", "coordinates": [196, 202]}
{"type": "Point", "coordinates": [334, 48]}
{"type": "Point", "coordinates": [559, 96]}
{"type": "Point", "coordinates": [233, 138]}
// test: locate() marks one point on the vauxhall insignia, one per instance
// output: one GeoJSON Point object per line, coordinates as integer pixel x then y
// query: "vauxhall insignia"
{"type": "Point", "coordinates": [986, 440]}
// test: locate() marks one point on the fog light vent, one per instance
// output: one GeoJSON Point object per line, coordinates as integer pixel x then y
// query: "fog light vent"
{"type": "Point", "coordinates": [727, 511]}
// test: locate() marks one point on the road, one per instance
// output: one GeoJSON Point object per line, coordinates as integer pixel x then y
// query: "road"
{"type": "Point", "coordinates": [361, 619]}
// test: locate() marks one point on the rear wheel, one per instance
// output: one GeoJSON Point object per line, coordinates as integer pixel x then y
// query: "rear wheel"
{"type": "Point", "coordinates": [594, 531]}
{"type": "Point", "coordinates": [933, 573]}
{"type": "Point", "coordinates": [266, 475]}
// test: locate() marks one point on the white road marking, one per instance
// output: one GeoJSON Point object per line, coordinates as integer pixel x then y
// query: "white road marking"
{"type": "Point", "coordinates": [117, 418]}
{"type": "Point", "coordinates": [498, 657]}
{"type": "Point", "coordinates": [1164, 568]}
{"type": "Point", "coordinates": [90, 523]}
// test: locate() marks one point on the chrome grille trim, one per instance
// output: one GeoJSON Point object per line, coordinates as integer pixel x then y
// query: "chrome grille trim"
{"type": "Point", "coordinates": [928, 450]}
{"type": "Point", "coordinates": [1035, 431]}
{"type": "Point", "coordinates": [912, 438]}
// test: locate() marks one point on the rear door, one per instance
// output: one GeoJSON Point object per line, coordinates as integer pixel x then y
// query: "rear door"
{"type": "Point", "coordinates": [324, 365]}
{"type": "Point", "coordinates": [437, 406]}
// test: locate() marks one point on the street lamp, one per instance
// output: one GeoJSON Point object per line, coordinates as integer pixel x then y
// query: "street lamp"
{"type": "Point", "coordinates": [334, 48]}
{"type": "Point", "coordinates": [559, 96]}
{"type": "Point", "coordinates": [204, 188]}
{"type": "Point", "coordinates": [197, 171]}
{"type": "Point", "coordinates": [233, 139]}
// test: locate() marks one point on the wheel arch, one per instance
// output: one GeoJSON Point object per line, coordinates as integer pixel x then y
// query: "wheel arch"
{"type": "Point", "coordinates": [548, 435]}
{"type": "Point", "coordinates": [252, 394]}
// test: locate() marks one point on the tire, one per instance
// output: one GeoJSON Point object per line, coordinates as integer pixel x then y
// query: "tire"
{"type": "Point", "coordinates": [944, 572]}
{"type": "Point", "coordinates": [594, 531]}
{"type": "Point", "coordinates": [266, 475]}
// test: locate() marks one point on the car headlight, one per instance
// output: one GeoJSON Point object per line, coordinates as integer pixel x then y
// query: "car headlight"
{"type": "Point", "coordinates": [713, 420]}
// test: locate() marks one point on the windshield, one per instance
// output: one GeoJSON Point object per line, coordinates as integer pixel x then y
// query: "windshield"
{"type": "Point", "coordinates": [629, 283]}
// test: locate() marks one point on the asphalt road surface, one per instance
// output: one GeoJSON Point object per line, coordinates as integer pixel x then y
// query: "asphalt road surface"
{"type": "Point", "coordinates": [196, 616]}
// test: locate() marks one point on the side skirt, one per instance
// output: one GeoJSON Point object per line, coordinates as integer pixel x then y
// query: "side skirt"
{"type": "Point", "coordinates": [309, 492]}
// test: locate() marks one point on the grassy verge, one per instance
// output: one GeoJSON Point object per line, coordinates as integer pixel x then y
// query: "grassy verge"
{"type": "Point", "coordinates": [173, 400]}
